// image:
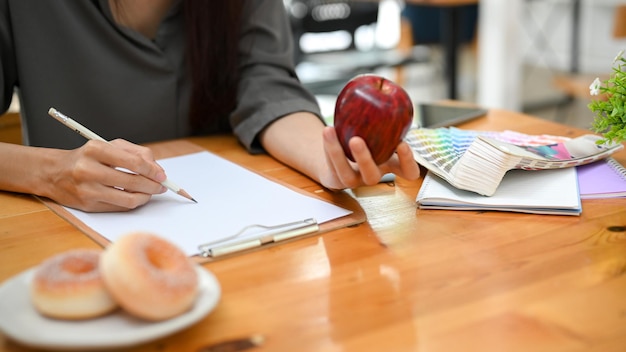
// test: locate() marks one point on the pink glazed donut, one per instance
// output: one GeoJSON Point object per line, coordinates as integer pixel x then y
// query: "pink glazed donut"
{"type": "Point", "coordinates": [69, 286]}
{"type": "Point", "coordinates": [149, 277]}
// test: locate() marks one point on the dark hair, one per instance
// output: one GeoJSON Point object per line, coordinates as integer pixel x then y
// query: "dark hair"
{"type": "Point", "coordinates": [213, 29]}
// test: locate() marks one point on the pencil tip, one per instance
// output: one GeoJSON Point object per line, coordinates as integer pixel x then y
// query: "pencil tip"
{"type": "Point", "coordinates": [183, 193]}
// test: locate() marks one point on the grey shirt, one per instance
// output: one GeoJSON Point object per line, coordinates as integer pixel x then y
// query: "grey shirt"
{"type": "Point", "coordinates": [71, 55]}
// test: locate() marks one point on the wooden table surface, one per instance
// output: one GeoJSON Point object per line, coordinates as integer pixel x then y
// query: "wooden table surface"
{"type": "Point", "coordinates": [405, 280]}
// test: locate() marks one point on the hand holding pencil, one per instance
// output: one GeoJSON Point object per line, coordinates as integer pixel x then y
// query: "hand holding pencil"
{"type": "Point", "coordinates": [100, 170]}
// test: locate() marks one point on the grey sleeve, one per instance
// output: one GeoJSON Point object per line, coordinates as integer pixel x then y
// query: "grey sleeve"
{"type": "Point", "coordinates": [268, 86]}
{"type": "Point", "coordinates": [8, 75]}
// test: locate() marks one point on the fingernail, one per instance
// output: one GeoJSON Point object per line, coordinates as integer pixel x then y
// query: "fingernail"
{"type": "Point", "coordinates": [160, 176]}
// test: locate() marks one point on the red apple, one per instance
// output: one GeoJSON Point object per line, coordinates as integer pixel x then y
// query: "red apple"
{"type": "Point", "coordinates": [375, 109]}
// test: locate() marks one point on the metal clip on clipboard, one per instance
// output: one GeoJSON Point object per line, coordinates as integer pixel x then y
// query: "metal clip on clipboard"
{"type": "Point", "coordinates": [269, 234]}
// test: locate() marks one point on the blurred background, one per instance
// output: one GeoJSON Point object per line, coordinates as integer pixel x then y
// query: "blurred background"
{"type": "Point", "coordinates": [534, 56]}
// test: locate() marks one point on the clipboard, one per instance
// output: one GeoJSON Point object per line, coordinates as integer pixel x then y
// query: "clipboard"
{"type": "Point", "coordinates": [231, 151]}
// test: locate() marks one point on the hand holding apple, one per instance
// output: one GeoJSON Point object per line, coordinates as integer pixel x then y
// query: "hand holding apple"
{"type": "Point", "coordinates": [375, 109]}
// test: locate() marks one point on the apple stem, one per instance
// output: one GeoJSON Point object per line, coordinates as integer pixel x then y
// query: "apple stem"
{"type": "Point", "coordinates": [380, 87]}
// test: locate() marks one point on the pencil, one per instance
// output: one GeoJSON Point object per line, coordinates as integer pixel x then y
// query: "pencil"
{"type": "Point", "coordinates": [85, 132]}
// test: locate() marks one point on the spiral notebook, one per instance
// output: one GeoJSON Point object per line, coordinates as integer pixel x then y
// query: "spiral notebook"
{"type": "Point", "coordinates": [602, 179]}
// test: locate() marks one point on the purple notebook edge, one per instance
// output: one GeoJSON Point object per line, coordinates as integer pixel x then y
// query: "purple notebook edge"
{"type": "Point", "coordinates": [600, 177]}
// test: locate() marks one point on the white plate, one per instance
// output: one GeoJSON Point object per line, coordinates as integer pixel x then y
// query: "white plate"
{"type": "Point", "coordinates": [20, 320]}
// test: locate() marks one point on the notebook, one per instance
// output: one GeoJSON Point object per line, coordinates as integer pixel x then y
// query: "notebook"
{"type": "Point", "coordinates": [552, 192]}
{"type": "Point", "coordinates": [602, 179]}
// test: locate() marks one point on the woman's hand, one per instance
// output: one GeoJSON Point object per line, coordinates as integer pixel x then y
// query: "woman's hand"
{"type": "Point", "coordinates": [301, 141]}
{"type": "Point", "coordinates": [343, 173]}
{"type": "Point", "coordinates": [96, 177]}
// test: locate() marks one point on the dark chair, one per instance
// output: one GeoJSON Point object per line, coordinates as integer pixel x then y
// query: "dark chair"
{"type": "Point", "coordinates": [427, 23]}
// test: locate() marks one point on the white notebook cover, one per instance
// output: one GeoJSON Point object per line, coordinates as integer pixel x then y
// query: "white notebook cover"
{"type": "Point", "coordinates": [527, 191]}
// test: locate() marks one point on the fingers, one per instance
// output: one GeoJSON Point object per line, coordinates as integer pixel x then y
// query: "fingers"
{"type": "Point", "coordinates": [109, 199]}
{"type": "Point", "coordinates": [370, 172]}
{"type": "Point", "coordinates": [113, 176]}
{"type": "Point", "coordinates": [364, 171]}
{"type": "Point", "coordinates": [340, 166]}
{"type": "Point", "coordinates": [132, 167]}
{"type": "Point", "coordinates": [138, 159]}
{"type": "Point", "coordinates": [409, 169]}
{"type": "Point", "coordinates": [127, 181]}
{"type": "Point", "coordinates": [85, 185]}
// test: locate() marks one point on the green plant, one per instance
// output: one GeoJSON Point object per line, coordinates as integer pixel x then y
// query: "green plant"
{"type": "Point", "coordinates": [610, 113]}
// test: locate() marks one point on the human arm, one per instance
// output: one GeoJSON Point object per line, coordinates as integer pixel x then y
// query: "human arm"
{"type": "Point", "coordinates": [83, 178]}
{"type": "Point", "coordinates": [302, 141]}
{"type": "Point", "coordinates": [277, 114]}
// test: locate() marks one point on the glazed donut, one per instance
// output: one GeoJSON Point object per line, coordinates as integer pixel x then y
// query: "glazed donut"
{"type": "Point", "coordinates": [69, 286]}
{"type": "Point", "coordinates": [149, 277]}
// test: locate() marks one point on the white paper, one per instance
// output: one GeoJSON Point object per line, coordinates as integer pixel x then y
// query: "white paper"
{"type": "Point", "coordinates": [229, 197]}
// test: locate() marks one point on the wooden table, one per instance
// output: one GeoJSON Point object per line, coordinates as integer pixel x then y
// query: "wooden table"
{"type": "Point", "coordinates": [406, 280]}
